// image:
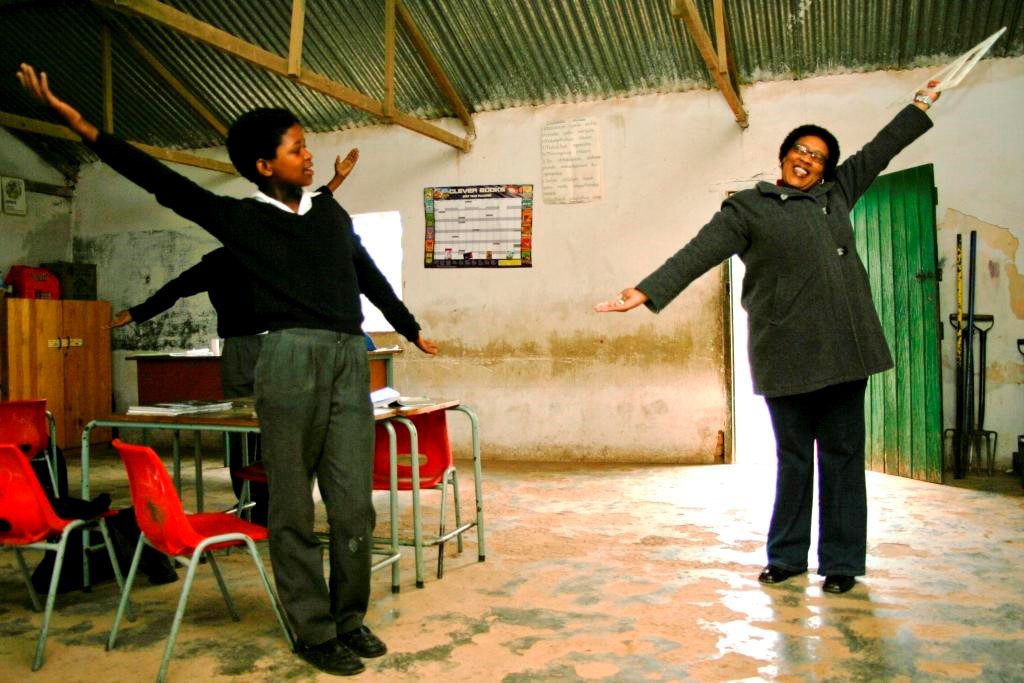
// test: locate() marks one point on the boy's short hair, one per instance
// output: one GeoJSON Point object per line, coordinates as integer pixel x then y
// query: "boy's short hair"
{"type": "Point", "coordinates": [256, 135]}
{"type": "Point", "coordinates": [829, 172]}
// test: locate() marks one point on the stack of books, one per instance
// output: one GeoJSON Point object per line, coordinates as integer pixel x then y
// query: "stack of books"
{"type": "Point", "coordinates": [180, 408]}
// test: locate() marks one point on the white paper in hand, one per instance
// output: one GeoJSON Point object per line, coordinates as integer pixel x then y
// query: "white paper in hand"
{"type": "Point", "coordinates": [954, 72]}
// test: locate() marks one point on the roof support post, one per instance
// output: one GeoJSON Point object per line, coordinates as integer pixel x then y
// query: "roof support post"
{"type": "Point", "coordinates": [687, 11]}
{"type": "Point", "coordinates": [295, 38]}
{"type": "Point", "coordinates": [389, 58]}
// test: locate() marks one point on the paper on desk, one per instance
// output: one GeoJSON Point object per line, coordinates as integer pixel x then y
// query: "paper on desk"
{"type": "Point", "coordinates": [384, 396]}
{"type": "Point", "coordinates": [192, 352]}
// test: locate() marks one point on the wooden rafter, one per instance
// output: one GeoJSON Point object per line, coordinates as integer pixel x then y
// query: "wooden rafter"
{"type": "Point", "coordinates": [295, 38]}
{"type": "Point", "coordinates": [264, 59]}
{"type": "Point", "coordinates": [434, 67]}
{"type": "Point", "coordinates": [107, 59]}
{"type": "Point", "coordinates": [389, 58]}
{"type": "Point", "coordinates": [717, 60]}
{"type": "Point", "coordinates": [64, 133]}
{"type": "Point", "coordinates": [170, 79]}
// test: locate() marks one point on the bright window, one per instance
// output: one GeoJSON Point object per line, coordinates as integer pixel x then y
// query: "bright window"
{"type": "Point", "coordinates": [381, 234]}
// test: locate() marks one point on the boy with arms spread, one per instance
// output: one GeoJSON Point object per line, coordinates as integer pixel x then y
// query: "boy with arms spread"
{"type": "Point", "coordinates": [307, 268]}
{"type": "Point", "coordinates": [225, 280]}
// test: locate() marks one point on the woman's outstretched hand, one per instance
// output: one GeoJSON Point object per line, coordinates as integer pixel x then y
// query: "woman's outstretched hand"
{"type": "Point", "coordinates": [38, 87]}
{"type": "Point", "coordinates": [627, 300]}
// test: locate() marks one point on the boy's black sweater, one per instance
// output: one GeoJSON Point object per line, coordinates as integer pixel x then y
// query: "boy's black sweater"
{"type": "Point", "coordinates": [307, 271]}
{"type": "Point", "coordinates": [227, 283]}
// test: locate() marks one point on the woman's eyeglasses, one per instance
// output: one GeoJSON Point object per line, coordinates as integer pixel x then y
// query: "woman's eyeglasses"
{"type": "Point", "coordinates": [810, 153]}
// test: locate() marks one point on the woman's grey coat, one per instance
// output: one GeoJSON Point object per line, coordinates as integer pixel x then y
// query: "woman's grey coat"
{"type": "Point", "coordinates": [811, 319]}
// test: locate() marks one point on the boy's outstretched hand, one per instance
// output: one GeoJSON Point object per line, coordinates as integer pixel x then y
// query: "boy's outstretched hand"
{"type": "Point", "coordinates": [38, 87]}
{"type": "Point", "coordinates": [342, 167]}
{"type": "Point", "coordinates": [426, 345]}
{"type": "Point", "coordinates": [120, 320]}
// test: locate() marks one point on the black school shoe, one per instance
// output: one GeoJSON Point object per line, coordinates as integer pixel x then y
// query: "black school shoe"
{"type": "Point", "coordinates": [362, 641]}
{"type": "Point", "coordinates": [332, 657]}
{"type": "Point", "coordinates": [773, 574]}
{"type": "Point", "coordinates": [838, 583]}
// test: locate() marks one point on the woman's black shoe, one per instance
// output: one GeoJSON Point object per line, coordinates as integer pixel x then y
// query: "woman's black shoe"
{"type": "Point", "coordinates": [772, 574]}
{"type": "Point", "coordinates": [838, 583]}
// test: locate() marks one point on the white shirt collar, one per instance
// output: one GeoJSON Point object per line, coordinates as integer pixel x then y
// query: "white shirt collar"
{"type": "Point", "coordinates": [305, 203]}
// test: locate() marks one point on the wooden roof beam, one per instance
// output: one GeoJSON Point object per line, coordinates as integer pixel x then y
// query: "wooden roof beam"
{"type": "Point", "coordinates": [264, 59]}
{"type": "Point", "coordinates": [295, 38]}
{"type": "Point", "coordinates": [434, 67]}
{"type": "Point", "coordinates": [53, 130]}
{"type": "Point", "coordinates": [169, 78]}
{"type": "Point", "coordinates": [687, 11]}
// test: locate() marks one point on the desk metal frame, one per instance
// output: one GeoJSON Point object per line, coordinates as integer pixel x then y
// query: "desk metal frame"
{"type": "Point", "coordinates": [478, 521]}
{"type": "Point", "coordinates": [219, 422]}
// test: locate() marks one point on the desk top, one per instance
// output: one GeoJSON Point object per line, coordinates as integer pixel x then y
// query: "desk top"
{"type": "Point", "coordinates": [165, 356]}
{"type": "Point", "coordinates": [245, 416]}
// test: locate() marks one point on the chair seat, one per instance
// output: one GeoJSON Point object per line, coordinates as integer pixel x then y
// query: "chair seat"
{"type": "Point", "coordinates": [254, 472]}
{"type": "Point", "coordinates": [208, 524]}
{"type": "Point", "coordinates": [381, 482]}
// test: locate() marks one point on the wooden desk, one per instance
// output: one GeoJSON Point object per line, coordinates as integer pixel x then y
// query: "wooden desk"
{"type": "Point", "coordinates": [238, 419]}
{"type": "Point", "coordinates": [163, 377]}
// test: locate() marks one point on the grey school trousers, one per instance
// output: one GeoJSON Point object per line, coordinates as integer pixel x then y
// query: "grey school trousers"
{"type": "Point", "coordinates": [316, 419]}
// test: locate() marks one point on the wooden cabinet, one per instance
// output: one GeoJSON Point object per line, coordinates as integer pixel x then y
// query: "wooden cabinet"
{"type": "Point", "coordinates": [60, 351]}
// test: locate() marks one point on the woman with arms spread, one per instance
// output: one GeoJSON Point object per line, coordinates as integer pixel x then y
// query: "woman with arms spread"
{"type": "Point", "coordinates": [815, 336]}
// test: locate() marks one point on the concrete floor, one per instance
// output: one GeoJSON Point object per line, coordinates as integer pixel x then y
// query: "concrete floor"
{"type": "Point", "coordinates": [604, 574]}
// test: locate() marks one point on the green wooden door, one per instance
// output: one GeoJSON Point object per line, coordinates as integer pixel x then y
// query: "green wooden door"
{"type": "Point", "coordinates": [895, 227]}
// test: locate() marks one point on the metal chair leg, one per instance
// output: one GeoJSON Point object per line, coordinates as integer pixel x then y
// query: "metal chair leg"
{"type": "Point", "coordinates": [122, 605]}
{"type": "Point", "coordinates": [179, 613]}
{"type": "Point", "coordinates": [32, 594]}
{"type": "Point", "coordinates": [458, 507]}
{"type": "Point", "coordinates": [114, 564]}
{"type": "Point", "coordinates": [223, 587]}
{"type": "Point", "coordinates": [274, 602]}
{"type": "Point", "coordinates": [51, 597]}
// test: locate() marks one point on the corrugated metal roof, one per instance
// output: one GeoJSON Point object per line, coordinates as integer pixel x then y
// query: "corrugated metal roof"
{"type": "Point", "coordinates": [496, 53]}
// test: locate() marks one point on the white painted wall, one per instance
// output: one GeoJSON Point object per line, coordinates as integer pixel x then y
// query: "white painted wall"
{"type": "Point", "coordinates": [44, 233]}
{"type": "Point", "coordinates": [550, 378]}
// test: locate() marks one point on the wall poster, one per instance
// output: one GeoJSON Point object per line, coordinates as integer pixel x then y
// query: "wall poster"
{"type": "Point", "coordinates": [478, 226]}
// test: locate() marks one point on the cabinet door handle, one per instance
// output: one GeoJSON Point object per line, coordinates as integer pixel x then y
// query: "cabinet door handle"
{"type": "Point", "coordinates": [54, 343]}
{"type": "Point", "coordinates": [75, 341]}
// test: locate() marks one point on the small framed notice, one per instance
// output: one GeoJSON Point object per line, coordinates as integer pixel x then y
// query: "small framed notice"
{"type": "Point", "coordinates": [478, 226]}
{"type": "Point", "coordinates": [14, 196]}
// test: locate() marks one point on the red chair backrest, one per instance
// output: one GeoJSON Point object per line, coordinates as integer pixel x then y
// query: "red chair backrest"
{"type": "Point", "coordinates": [435, 452]}
{"type": "Point", "coordinates": [23, 423]}
{"type": "Point", "coordinates": [158, 510]}
{"type": "Point", "coordinates": [23, 504]}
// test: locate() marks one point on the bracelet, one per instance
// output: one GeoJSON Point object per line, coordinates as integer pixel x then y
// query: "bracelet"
{"type": "Point", "coordinates": [924, 99]}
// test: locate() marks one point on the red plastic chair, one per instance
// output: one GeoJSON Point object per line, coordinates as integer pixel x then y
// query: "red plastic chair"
{"type": "Point", "coordinates": [186, 537]}
{"type": "Point", "coordinates": [436, 471]}
{"type": "Point", "coordinates": [25, 507]}
{"type": "Point", "coordinates": [28, 425]}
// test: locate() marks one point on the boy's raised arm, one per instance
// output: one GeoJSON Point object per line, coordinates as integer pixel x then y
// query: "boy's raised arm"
{"type": "Point", "coordinates": [173, 190]}
{"type": "Point", "coordinates": [38, 87]}
{"type": "Point", "coordinates": [342, 167]}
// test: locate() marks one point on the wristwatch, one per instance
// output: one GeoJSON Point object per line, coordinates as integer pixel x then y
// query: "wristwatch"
{"type": "Point", "coordinates": [924, 99]}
